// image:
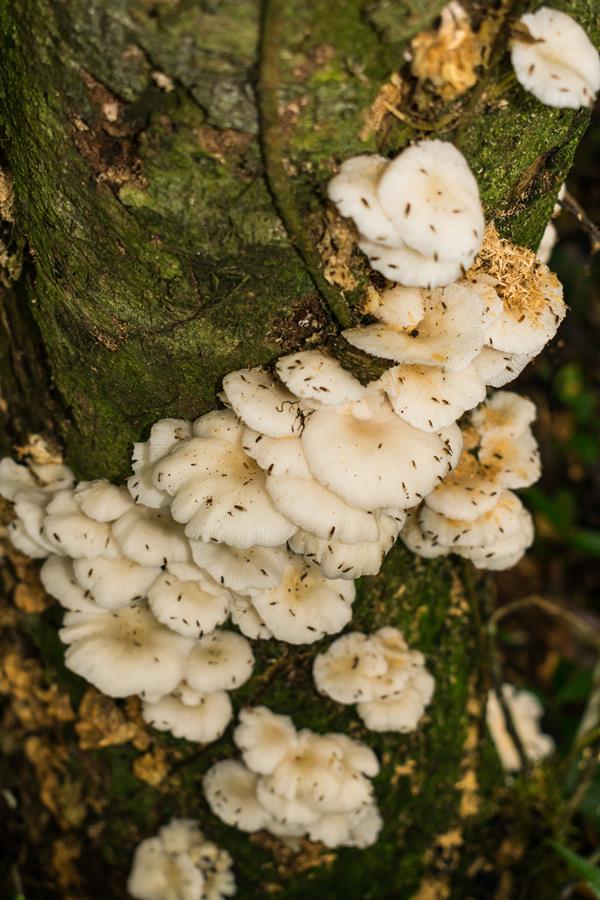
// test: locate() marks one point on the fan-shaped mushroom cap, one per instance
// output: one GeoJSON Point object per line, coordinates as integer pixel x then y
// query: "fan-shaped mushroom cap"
{"type": "Point", "coordinates": [467, 492]}
{"type": "Point", "coordinates": [526, 325]}
{"type": "Point", "coordinates": [204, 721]}
{"type": "Point", "coordinates": [319, 378]}
{"type": "Point", "coordinates": [402, 713]}
{"type": "Point", "coordinates": [254, 568]}
{"type": "Point", "coordinates": [164, 436]}
{"type": "Point", "coordinates": [432, 198]}
{"type": "Point", "coordinates": [114, 582]}
{"type": "Point", "coordinates": [555, 60]}
{"type": "Point", "coordinates": [230, 790]}
{"type": "Point", "coordinates": [59, 580]}
{"type": "Point", "coordinates": [497, 368]}
{"type": "Point", "coordinates": [247, 619]}
{"type": "Point", "coordinates": [526, 711]}
{"type": "Point", "coordinates": [306, 605]}
{"type": "Point", "coordinates": [379, 462]}
{"type": "Point", "coordinates": [505, 520]}
{"type": "Point", "coordinates": [150, 537]}
{"type": "Point", "coordinates": [101, 500]}
{"type": "Point", "coordinates": [313, 507]}
{"type": "Point", "coordinates": [504, 415]}
{"type": "Point", "coordinates": [185, 607]}
{"type": "Point", "coordinates": [219, 491]}
{"type": "Point", "coordinates": [340, 560]}
{"type": "Point", "coordinates": [413, 538]}
{"type": "Point", "coordinates": [409, 267]}
{"type": "Point", "coordinates": [513, 461]}
{"type": "Point", "coordinates": [70, 531]}
{"type": "Point", "coordinates": [26, 531]}
{"type": "Point", "coordinates": [398, 306]}
{"type": "Point", "coordinates": [430, 399]}
{"type": "Point", "coordinates": [354, 192]}
{"type": "Point", "coordinates": [264, 738]}
{"type": "Point", "coordinates": [220, 661]}
{"type": "Point", "coordinates": [124, 652]}
{"type": "Point", "coordinates": [262, 404]}
{"type": "Point", "coordinates": [449, 335]}
{"type": "Point", "coordinates": [276, 456]}
{"type": "Point", "coordinates": [359, 828]}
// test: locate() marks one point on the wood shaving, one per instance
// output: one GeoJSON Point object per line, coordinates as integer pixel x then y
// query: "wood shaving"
{"type": "Point", "coordinates": [448, 58]}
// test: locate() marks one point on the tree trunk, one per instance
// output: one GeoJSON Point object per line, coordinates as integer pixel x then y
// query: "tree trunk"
{"type": "Point", "coordinates": [169, 162]}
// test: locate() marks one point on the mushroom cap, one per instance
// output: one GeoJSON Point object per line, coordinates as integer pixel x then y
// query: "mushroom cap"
{"type": "Point", "coordinates": [306, 605]}
{"type": "Point", "coordinates": [526, 711]}
{"type": "Point", "coordinates": [22, 541]}
{"type": "Point", "coordinates": [360, 460]}
{"type": "Point", "coordinates": [27, 529]}
{"type": "Point", "coordinates": [185, 607]}
{"type": "Point", "coordinates": [150, 537]}
{"type": "Point", "coordinates": [245, 617]}
{"type": "Point", "coordinates": [497, 368]}
{"type": "Point", "coordinates": [220, 661]}
{"type": "Point", "coordinates": [513, 460]}
{"type": "Point", "coordinates": [204, 722]}
{"type": "Point", "coordinates": [264, 738]}
{"type": "Point", "coordinates": [429, 398]}
{"type": "Point", "coordinates": [58, 579]}
{"type": "Point", "coordinates": [165, 435]}
{"type": "Point", "coordinates": [314, 508]}
{"type": "Point", "coordinates": [230, 790]}
{"type": "Point", "coordinates": [262, 404]}
{"type": "Point", "coordinates": [504, 415]}
{"type": "Point", "coordinates": [102, 501]}
{"type": "Point", "coordinates": [340, 560]}
{"type": "Point", "coordinates": [219, 491]}
{"type": "Point", "coordinates": [525, 328]}
{"type": "Point", "coordinates": [409, 267]}
{"type": "Point", "coordinates": [114, 582]}
{"type": "Point", "coordinates": [256, 568]}
{"type": "Point", "coordinates": [508, 518]}
{"type": "Point", "coordinates": [319, 378]}
{"type": "Point", "coordinates": [432, 198]}
{"type": "Point", "coordinates": [467, 492]}
{"type": "Point", "coordinates": [403, 712]}
{"type": "Point", "coordinates": [140, 485]}
{"type": "Point", "coordinates": [399, 306]}
{"type": "Point", "coordinates": [450, 334]}
{"type": "Point", "coordinates": [70, 531]}
{"type": "Point", "coordinates": [561, 67]}
{"type": "Point", "coordinates": [157, 875]}
{"type": "Point", "coordinates": [124, 652]}
{"type": "Point", "coordinates": [359, 828]}
{"type": "Point", "coordinates": [354, 192]}
{"type": "Point", "coordinates": [276, 456]}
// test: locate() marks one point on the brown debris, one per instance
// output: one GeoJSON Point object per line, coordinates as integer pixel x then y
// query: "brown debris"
{"type": "Point", "coordinates": [152, 767]}
{"type": "Point", "coordinates": [522, 282]}
{"type": "Point", "coordinates": [102, 723]}
{"type": "Point", "coordinates": [60, 794]}
{"type": "Point", "coordinates": [65, 854]}
{"type": "Point", "coordinates": [33, 702]}
{"type": "Point", "coordinates": [448, 58]}
{"type": "Point", "coordinates": [335, 249]}
{"type": "Point", "coordinates": [388, 98]}
{"type": "Point", "coordinates": [7, 198]}
{"type": "Point", "coordinates": [221, 143]}
{"type": "Point", "coordinates": [292, 859]}
{"type": "Point", "coordinates": [40, 450]}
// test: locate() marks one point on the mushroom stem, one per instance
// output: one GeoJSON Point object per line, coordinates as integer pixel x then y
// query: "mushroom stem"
{"type": "Point", "coordinates": [273, 151]}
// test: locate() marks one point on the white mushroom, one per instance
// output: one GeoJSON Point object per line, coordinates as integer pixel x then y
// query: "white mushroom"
{"type": "Point", "coordinates": [180, 864]}
{"type": "Point", "coordinates": [319, 378]}
{"type": "Point", "coordinates": [70, 531]}
{"type": "Point", "coordinates": [59, 581]}
{"type": "Point", "coordinates": [504, 415]}
{"type": "Point", "coordinates": [230, 790]}
{"type": "Point", "coordinates": [150, 537]}
{"type": "Point", "coordinates": [526, 325]}
{"type": "Point", "coordinates": [219, 491]}
{"type": "Point", "coordinates": [220, 661]}
{"type": "Point", "coordinates": [262, 404]}
{"type": "Point", "coordinates": [125, 651]}
{"type": "Point", "coordinates": [555, 60]}
{"type": "Point", "coordinates": [186, 606]}
{"type": "Point", "coordinates": [164, 436]}
{"type": "Point", "coordinates": [276, 456]}
{"type": "Point", "coordinates": [359, 828]}
{"type": "Point", "coordinates": [526, 711]}
{"type": "Point", "coordinates": [306, 605]}
{"type": "Point", "coordinates": [498, 368]}
{"type": "Point", "coordinates": [264, 738]}
{"type": "Point", "coordinates": [239, 570]}
{"type": "Point", "coordinates": [204, 721]}
{"type": "Point", "coordinates": [114, 582]}
{"type": "Point", "coordinates": [101, 500]}
{"type": "Point", "coordinates": [245, 617]}
{"type": "Point", "coordinates": [399, 306]}
{"type": "Point", "coordinates": [354, 192]}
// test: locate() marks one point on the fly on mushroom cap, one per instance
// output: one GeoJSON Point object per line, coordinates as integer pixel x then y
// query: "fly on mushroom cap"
{"type": "Point", "coordinates": [125, 651]}
{"type": "Point", "coordinates": [315, 376]}
{"type": "Point", "coordinates": [204, 721]}
{"type": "Point", "coordinates": [238, 570]}
{"type": "Point", "coordinates": [526, 711]}
{"type": "Point", "coordinates": [180, 864]}
{"type": "Point", "coordinates": [450, 334]}
{"type": "Point", "coordinates": [432, 198]}
{"type": "Point", "coordinates": [379, 462]}
{"type": "Point", "coordinates": [150, 537]}
{"type": "Point", "coordinates": [219, 491]}
{"type": "Point", "coordinates": [220, 661]}
{"type": "Point", "coordinates": [554, 59]}
{"type": "Point", "coordinates": [354, 192]}
{"type": "Point", "coordinates": [306, 605]}
{"type": "Point", "coordinates": [429, 398]}
{"type": "Point", "coordinates": [186, 607]}
{"type": "Point", "coordinates": [264, 738]}
{"type": "Point", "coordinates": [262, 404]}
{"type": "Point", "coordinates": [114, 582]}
{"type": "Point", "coordinates": [341, 560]}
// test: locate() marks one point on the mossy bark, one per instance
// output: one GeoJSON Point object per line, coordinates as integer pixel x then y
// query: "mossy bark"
{"type": "Point", "coordinates": [169, 161]}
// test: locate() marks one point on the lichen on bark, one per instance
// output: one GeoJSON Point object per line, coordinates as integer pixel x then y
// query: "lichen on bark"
{"type": "Point", "coordinates": [168, 243]}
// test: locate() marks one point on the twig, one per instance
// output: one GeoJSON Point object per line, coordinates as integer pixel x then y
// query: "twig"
{"type": "Point", "coordinates": [553, 608]}
{"type": "Point", "coordinates": [273, 151]}
{"type": "Point", "coordinates": [571, 205]}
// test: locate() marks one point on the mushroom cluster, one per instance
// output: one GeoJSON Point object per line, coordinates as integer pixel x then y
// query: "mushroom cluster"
{"type": "Point", "coordinates": [180, 864]}
{"type": "Point", "coordinates": [388, 682]}
{"type": "Point", "coordinates": [475, 513]}
{"type": "Point", "coordinates": [526, 712]}
{"type": "Point", "coordinates": [295, 783]}
{"type": "Point", "coordinates": [419, 217]}
{"type": "Point", "coordinates": [140, 617]}
{"type": "Point", "coordinates": [554, 59]}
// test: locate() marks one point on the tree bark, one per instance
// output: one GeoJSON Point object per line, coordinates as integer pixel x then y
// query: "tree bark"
{"type": "Point", "coordinates": [169, 162]}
